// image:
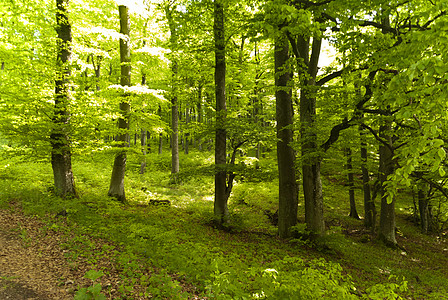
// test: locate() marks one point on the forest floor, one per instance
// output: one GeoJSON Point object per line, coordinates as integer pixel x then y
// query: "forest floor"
{"type": "Point", "coordinates": [49, 245]}
{"type": "Point", "coordinates": [31, 264]}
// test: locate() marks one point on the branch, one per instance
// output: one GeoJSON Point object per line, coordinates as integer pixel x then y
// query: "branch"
{"type": "Point", "coordinates": [376, 136]}
{"type": "Point", "coordinates": [329, 77]}
{"type": "Point", "coordinates": [436, 185]}
{"type": "Point", "coordinates": [307, 4]}
{"type": "Point", "coordinates": [336, 74]}
{"type": "Point", "coordinates": [383, 27]}
{"type": "Point", "coordinates": [336, 130]}
{"type": "Point", "coordinates": [231, 174]}
{"type": "Point", "coordinates": [295, 50]}
{"type": "Point", "coordinates": [425, 27]}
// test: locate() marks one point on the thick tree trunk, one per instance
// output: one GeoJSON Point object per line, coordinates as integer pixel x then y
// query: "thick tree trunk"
{"type": "Point", "coordinates": [116, 188]}
{"type": "Point", "coordinates": [64, 182]}
{"type": "Point", "coordinates": [369, 204]}
{"type": "Point", "coordinates": [312, 185]}
{"type": "Point", "coordinates": [424, 208]}
{"type": "Point", "coordinates": [220, 205]}
{"type": "Point", "coordinates": [387, 216]}
{"type": "Point", "coordinates": [288, 200]}
{"type": "Point", "coordinates": [424, 211]}
{"type": "Point", "coordinates": [351, 184]}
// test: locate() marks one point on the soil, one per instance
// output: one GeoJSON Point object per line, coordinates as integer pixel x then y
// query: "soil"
{"type": "Point", "coordinates": [31, 264]}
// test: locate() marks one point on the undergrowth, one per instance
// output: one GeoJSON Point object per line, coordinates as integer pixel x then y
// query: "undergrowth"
{"type": "Point", "coordinates": [173, 252]}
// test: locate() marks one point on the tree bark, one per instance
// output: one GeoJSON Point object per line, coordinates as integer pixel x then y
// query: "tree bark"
{"type": "Point", "coordinates": [64, 182]}
{"type": "Point", "coordinates": [312, 185]}
{"type": "Point", "coordinates": [351, 184]}
{"type": "Point", "coordinates": [424, 208]}
{"type": "Point", "coordinates": [187, 135]}
{"type": "Point", "coordinates": [387, 216]}
{"type": "Point", "coordinates": [143, 142]}
{"type": "Point", "coordinates": [199, 110]}
{"type": "Point", "coordinates": [116, 188]}
{"type": "Point", "coordinates": [221, 211]}
{"type": "Point", "coordinates": [369, 204]}
{"type": "Point", "coordinates": [174, 98]}
{"type": "Point", "coordinates": [288, 200]}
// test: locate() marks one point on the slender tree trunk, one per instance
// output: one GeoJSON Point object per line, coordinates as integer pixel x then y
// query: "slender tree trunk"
{"type": "Point", "coordinates": [387, 216]}
{"type": "Point", "coordinates": [312, 185]}
{"type": "Point", "coordinates": [144, 135]}
{"type": "Point", "coordinates": [351, 184]}
{"type": "Point", "coordinates": [187, 135]}
{"type": "Point", "coordinates": [160, 148]}
{"type": "Point", "coordinates": [116, 188]}
{"type": "Point", "coordinates": [369, 204]}
{"type": "Point", "coordinates": [148, 141]}
{"type": "Point", "coordinates": [200, 118]}
{"type": "Point", "coordinates": [220, 204]}
{"type": "Point", "coordinates": [64, 182]}
{"type": "Point", "coordinates": [288, 200]}
{"type": "Point", "coordinates": [97, 68]}
{"type": "Point", "coordinates": [174, 99]}
{"type": "Point", "coordinates": [174, 137]}
{"type": "Point", "coordinates": [143, 141]}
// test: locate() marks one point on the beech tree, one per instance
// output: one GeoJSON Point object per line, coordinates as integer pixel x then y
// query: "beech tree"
{"type": "Point", "coordinates": [221, 196]}
{"type": "Point", "coordinates": [288, 198]}
{"type": "Point", "coordinates": [116, 188]}
{"type": "Point", "coordinates": [169, 11]}
{"type": "Point", "coordinates": [64, 181]}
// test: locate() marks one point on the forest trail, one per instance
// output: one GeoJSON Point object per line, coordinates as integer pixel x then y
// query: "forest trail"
{"type": "Point", "coordinates": [32, 265]}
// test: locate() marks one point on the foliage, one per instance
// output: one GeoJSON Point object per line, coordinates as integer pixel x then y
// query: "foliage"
{"type": "Point", "coordinates": [92, 292]}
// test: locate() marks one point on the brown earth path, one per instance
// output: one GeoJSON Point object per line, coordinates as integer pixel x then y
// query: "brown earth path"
{"type": "Point", "coordinates": [32, 265]}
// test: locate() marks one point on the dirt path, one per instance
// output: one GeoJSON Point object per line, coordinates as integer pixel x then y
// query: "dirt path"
{"type": "Point", "coordinates": [32, 265]}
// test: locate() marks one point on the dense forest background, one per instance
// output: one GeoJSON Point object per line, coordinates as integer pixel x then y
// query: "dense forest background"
{"type": "Point", "coordinates": [232, 149]}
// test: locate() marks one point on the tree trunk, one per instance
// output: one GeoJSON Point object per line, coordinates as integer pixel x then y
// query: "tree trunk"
{"type": "Point", "coordinates": [351, 184]}
{"type": "Point", "coordinates": [312, 185]}
{"type": "Point", "coordinates": [116, 188]}
{"type": "Point", "coordinates": [160, 148]}
{"type": "Point", "coordinates": [288, 200]}
{"type": "Point", "coordinates": [221, 211]}
{"type": "Point", "coordinates": [174, 99]}
{"type": "Point", "coordinates": [143, 141]}
{"type": "Point", "coordinates": [174, 137]}
{"type": "Point", "coordinates": [369, 204]}
{"type": "Point", "coordinates": [187, 135]}
{"type": "Point", "coordinates": [424, 208]}
{"type": "Point", "coordinates": [387, 216]}
{"type": "Point", "coordinates": [64, 182]}
{"type": "Point", "coordinates": [199, 109]}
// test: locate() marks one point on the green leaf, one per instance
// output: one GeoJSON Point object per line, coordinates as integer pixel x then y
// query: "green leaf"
{"type": "Point", "coordinates": [442, 172]}
{"type": "Point", "coordinates": [93, 275]}
{"type": "Point", "coordinates": [95, 289]}
{"type": "Point", "coordinates": [441, 152]}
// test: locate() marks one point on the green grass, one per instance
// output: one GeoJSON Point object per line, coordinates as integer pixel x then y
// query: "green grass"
{"type": "Point", "coordinates": [183, 249]}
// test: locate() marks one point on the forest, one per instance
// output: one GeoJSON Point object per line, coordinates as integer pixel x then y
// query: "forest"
{"type": "Point", "coordinates": [223, 149]}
